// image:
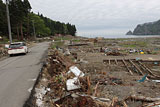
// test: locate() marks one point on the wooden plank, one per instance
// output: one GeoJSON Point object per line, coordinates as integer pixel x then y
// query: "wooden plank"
{"type": "Point", "coordinates": [142, 98]}
{"type": "Point", "coordinates": [150, 60]}
{"type": "Point", "coordinates": [127, 67]}
{"type": "Point", "coordinates": [139, 70]}
{"type": "Point", "coordinates": [153, 104]}
{"type": "Point", "coordinates": [109, 61]}
{"type": "Point", "coordinates": [116, 61]}
{"type": "Point", "coordinates": [147, 69]}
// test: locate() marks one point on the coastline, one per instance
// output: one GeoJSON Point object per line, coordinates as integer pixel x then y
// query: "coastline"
{"type": "Point", "coordinates": [121, 36]}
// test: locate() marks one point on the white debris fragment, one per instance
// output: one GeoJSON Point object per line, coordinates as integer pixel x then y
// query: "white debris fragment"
{"type": "Point", "coordinates": [72, 84]}
{"type": "Point", "coordinates": [44, 80]}
{"type": "Point", "coordinates": [67, 52]}
{"type": "Point", "coordinates": [40, 103]}
{"type": "Point", "coordinates": [55, 60]}
{"type": "Point", "coordinates": [40, 92]}
{"type": "Point", "coordinates": [32, 79]}
{"type": "Point", "coordinates": [48, 89]}
{"type": "Point", "coordinates": [30, 89]}
{"type": "Point", "coordinates": [156, 81]}
{"type": "Point", "coordinates": [7, 46]}
{"type": "Point", "coordinates": [76, 71]}
{"type": "Point", "coordinates": [157, 106]}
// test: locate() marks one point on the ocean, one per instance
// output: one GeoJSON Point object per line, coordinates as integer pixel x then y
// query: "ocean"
{"type": "Point", "coordinates": [121, 36]}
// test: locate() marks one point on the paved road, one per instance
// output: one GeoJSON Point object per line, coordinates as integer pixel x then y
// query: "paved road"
{"type": "Point", "coordinates": [18, 74]}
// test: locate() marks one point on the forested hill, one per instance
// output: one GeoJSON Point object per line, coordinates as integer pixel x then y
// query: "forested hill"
{"type": "Point", "coordinates": [152, 28]}
{"type": "Point", "coordinates": [23, 21]}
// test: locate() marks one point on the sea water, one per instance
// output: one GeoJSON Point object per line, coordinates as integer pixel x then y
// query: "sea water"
{"type": "Point", "coordinates": [121, 36]}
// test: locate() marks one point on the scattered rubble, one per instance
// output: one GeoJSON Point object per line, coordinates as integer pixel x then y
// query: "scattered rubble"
{"type": "Point", "coordinates": [91, 75]}
{"type": "Point", "coordinates": [3, 51]}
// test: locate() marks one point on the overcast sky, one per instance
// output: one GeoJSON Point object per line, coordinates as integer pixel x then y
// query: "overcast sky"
{"type": "Point", "coordinates": [100, 17]}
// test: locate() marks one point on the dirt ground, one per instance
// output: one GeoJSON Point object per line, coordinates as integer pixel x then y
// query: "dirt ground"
{"type": "Point", "coordinates": [128, 83]}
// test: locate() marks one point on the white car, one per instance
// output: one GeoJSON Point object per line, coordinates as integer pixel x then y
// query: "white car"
{"type": "Point", "coordinates": [17, 48]}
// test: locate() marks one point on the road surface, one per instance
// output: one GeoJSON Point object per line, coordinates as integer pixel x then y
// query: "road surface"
{"type": "Point", "coordinates": [18, 74]}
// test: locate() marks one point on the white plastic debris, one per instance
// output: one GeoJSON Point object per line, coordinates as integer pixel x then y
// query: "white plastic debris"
{"type": "Point", "coordinates": [48, 89]}
{"type": "Point", "coordinates": [44, 80]}
{"type": "Point", "coordinates": [7, 46]}
{"type": "Point", "coordinates": [157, 106]}
{"type": "Point", "coordinates": [55, 60]}
{"type": "Point", "coordinates": [40, 103]}
{"type": "Point", "coordinates": [67, 52]}
{"type": "Point", "coordinates": [76, 71]}
{"type": "Point", "coordinates": [72, 84]}
{"type": "Point", "coordinates": [156, 81]}
{"type": "Point", "coordinates": [40, 92]}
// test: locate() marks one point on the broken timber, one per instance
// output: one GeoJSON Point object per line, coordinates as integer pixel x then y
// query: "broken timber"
{"type": "Point", "coordinates": [136, 67]}
{"type": "Point", "coordinates": [109, 61]}
{"type": "Point", "coordinates": [152, 104]}
{"type": "Point", "coordinates": [147, 69]}
{"type": "Point", "coordinates": [116, 61]}
{"type": "Point", "coordinates": [127, 67]}
{"type": "Point", "coordinates": [143, 71]}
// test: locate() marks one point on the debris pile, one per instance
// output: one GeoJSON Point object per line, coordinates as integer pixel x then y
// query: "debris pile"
{"type": "Point", "coordinates": [3, 51]}
{"type": "Point", "coordinates": [91, 75]}
{"type": "Point", "coordinates": [62, 84]}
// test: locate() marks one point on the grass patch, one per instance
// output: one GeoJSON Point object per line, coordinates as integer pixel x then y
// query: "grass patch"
{"type": "Point", "coordinates": [57, 44]}
{"type": "Point", "coordinates": [62, 38]}
{"type": "Point", "coordinates": [76, 40]}
{"type": "Point", "coordinates": [4, 41]}
{"type": "Point", "coordinates": [134, 44]}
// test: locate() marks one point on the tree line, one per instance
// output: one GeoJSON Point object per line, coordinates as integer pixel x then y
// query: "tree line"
{"type": "Point", "coordinates": [23, 22]}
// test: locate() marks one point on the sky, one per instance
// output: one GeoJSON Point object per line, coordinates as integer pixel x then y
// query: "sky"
{"type": "Point", "coordinates": [100, 17]}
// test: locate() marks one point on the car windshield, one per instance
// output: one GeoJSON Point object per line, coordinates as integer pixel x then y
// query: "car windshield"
{"type": "Point", "coordinates": [15, 45]}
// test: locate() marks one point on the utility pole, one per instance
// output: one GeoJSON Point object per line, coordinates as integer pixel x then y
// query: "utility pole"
{"type": "Point", "coordinates": [34, 31]}
{"type": "Point", "coordinates": [8, 20]}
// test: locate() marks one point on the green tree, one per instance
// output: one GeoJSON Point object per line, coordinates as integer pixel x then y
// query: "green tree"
{"type": "Point", "coordinates": [3, 21]}
{"type": "Point", "coordinates": [22, 21]}
{"type": "Point", "coordinates": [40, 27]}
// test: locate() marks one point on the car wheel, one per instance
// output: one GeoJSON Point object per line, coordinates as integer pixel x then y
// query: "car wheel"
{"type": "Point", "coordinates": [10, 55]}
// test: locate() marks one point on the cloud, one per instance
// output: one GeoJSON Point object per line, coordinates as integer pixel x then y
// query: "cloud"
{"type": "Point", "coordinates": [100, 14]}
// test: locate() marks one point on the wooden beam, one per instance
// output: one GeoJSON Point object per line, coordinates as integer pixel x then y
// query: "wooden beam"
{"type": "Point", "coordinates": [127, 67]}
{"type": "Point", "coordinates": [153, 104]}
{"type": "Point", "coordinates": [147, 69]}
{"type": "Point", "coordinates": [116, 61]}
{"type": "Point", "coordinates": [139, 70]}
{"type": "Point", "coordinates": [109, 61]}
{"type": "Point", "coordinates": [142, 98]}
